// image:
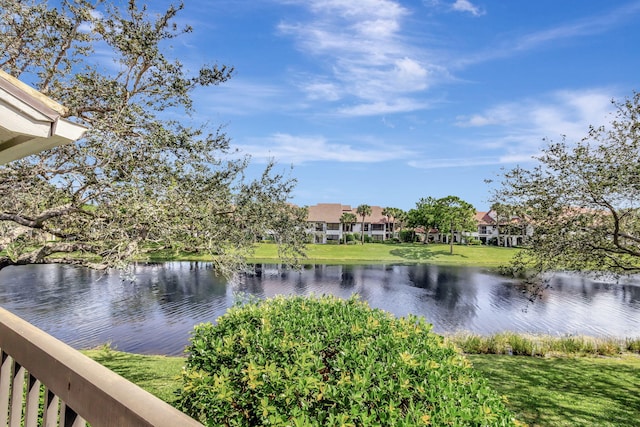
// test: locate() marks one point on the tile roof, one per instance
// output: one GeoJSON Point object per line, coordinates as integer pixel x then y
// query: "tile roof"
{"type": "Point", "coordinates": [331, 213]}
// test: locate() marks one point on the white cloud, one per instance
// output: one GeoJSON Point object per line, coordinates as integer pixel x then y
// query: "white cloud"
{"type": "Point", "coordinates": [398, 105]}
{"type": "Point", "coordinates": [589, 26]}
{"type": "Point", "coordinates": [410, 74]}
{"type": "Point", "coordinates": [241, 97]}
{"type": "Point", "coordinates": [286, 148]}
{"type": "Point", "coordinates": [320, 90]}
{"type": "Point", "coordinates": [364, 54]}
{"type": "Point", "coordinates": [467, 162]}
{"type": "Point", "coordinates": [467, 6]}
{"type": "Point", "coordinates": [513, 132]}
{"type": "Point", "coordinates": [559, 113]}
{"type": "Point", "coordinates": [497, 115]}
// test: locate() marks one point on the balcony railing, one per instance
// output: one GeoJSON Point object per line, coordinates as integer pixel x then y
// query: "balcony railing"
{"type": "Point", "coordinates": [44, 382]}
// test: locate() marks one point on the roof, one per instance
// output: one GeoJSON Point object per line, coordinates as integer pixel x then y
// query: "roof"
{"type": "Point", "coordinates": [484, 218]}
{"type": "Point", "coordinates": [31, 122]}
{"type": "Point", "coordinates": [331, 213]}
{"type": "Point", "coordinates": [327, 212]}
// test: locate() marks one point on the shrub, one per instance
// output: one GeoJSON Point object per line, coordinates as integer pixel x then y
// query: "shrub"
{"type": "Point", "coordinates": [349, 237]}
{"type": "Point", "coordinates": [406, 236]}
{"type": "Point", "coordinates": [632, 345]}
{"type": "Point", "coordinates": [303, 361]}
{"type": "Point", "coordinates": [540, 345]}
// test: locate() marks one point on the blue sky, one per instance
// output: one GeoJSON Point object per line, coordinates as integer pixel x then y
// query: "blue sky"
{"type": "Point", "coordinates": [384, 102]}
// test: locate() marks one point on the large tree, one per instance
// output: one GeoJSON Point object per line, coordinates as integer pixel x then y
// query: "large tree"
{"type": "Point", "coordinates": [448, 214]}
{"type": "Point", "coordinates": [363, 211]}
{"type": "Point", "coordinates": [145, 174]}
{"type": "Point", "coordinates": [423, 216]}
{"type": "Point", "coordinates": [452, 214]}
{"type": "Point", "coordinates": [583, 199]}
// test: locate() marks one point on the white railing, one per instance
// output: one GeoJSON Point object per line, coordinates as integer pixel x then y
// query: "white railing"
{"type": "Point", "coordinates": [44, 382]}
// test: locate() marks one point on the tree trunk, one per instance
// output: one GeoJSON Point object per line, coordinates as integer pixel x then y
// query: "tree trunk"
{"type": "Point", "coordinates": [451, 241]}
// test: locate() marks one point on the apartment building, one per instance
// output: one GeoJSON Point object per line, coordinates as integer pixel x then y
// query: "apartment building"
{"type": "Point", "coordinates": [324, 223]}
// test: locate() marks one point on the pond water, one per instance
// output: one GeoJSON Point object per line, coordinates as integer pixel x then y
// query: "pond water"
{"type": "Point", "coordinates": [155, 313]}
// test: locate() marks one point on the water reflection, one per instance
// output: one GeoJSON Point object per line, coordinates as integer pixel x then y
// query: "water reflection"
{"type": "Point", "coordinates": [156, 312]}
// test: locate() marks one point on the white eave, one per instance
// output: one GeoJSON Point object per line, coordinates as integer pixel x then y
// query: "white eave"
{"type": "Point", "coordinates": [31, 122]}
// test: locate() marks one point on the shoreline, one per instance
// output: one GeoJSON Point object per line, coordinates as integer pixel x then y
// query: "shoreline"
{"type": "Point", "coordinates": [370, 253]}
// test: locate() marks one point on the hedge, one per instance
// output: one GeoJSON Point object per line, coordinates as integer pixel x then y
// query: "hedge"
{"type": "Point", "coordinates": [305, 361]}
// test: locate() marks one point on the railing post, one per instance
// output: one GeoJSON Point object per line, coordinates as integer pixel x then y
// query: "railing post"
{"type": "Point", "coordinates": [76, 387]}
{"type": "Point", "coordinates": [51, 404]}
{"type": "Point", "coordinates": [5, 386]}
{"type": "Point", "coordinates": [17, 389]}
{"type": "Point", "coordinates": [33, 402]}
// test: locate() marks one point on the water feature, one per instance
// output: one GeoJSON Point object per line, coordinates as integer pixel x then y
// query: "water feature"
{"type": "Point", "coordinates": [156, 312]}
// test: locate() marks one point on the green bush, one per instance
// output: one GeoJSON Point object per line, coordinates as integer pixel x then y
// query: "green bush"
{"type": "Point", "coordinates": [349, 237]}
{"type": "Point", "coordinates": [407, 236]}
{"type": "Point", "coordinates": [304, 361]}
{"type": "Point", "coordinates": [632, 345]}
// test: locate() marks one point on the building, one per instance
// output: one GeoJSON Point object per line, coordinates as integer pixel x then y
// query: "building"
{"type": "Point", "coordinates": [325, 226]}
{"type": "Point", "coordinates": [493, 230]}
{"type": "Point", "coordinates": [31, 122]}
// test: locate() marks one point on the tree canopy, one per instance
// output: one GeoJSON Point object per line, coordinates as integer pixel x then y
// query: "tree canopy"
{"type": "Point", "coordinates": [582, 199]}
{"type": "Point", "coordinates": [448, 214]}
{"type": "Point", "coordinates": [146, 174]}
{"type": "Point", "coordinates": [423, 216]}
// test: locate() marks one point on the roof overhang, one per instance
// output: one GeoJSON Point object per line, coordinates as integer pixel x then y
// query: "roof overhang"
{"type": "Point", "coordinates": [31, 122]}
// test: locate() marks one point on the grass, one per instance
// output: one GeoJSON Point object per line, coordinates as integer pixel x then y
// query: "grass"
{"type": "Point", "coordinates": [566, 391]}
{"type": "Point", "coordinates": [401, 253]}
{"type": "Point", "coordinates": [558, 391]}
{"type": "Point", "coordinates": [159, 375]}
{"type": "Point", "coordinates": [543, 345]}
{"type": "Point", "coordinates": [474, 256]}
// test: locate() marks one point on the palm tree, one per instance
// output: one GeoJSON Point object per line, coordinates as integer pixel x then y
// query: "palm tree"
{"type": "Point", "coordinates": [396, 214]}
{"type": "Point", "coordinates": [388, 212]}
{"type": "Point", "coordinates": [363, 210]}
{"type": "Point", "coordinates": [347, 218]}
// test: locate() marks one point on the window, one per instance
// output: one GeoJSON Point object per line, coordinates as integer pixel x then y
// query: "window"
{"type": "Point", "coordinates": [333, 226]}
{"type": "Point", "coordinates": [378, 227]}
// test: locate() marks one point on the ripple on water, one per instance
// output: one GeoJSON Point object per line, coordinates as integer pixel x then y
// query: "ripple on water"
{"type": "Point", "coordinates": [156, 313]}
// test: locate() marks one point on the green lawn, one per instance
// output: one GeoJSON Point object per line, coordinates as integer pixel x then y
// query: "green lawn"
{"type": "Point", "coordinates": [541, 392]}
{"type": "Point", "coordinates": [369, 253]}
{"type": "Point", "coordinates": [477, 256]}
{"type": "Point", "coordinates": [159, 375]}
{"type": "Point", "coordinates": [568, 391]}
